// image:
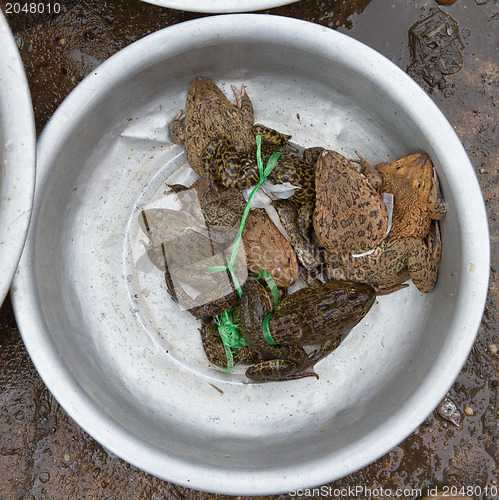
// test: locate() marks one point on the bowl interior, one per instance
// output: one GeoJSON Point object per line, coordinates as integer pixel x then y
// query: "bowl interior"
{"type": "Point", "coordinates": [128, 364]}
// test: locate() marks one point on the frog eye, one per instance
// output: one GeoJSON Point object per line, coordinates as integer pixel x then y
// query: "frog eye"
{"type": "Point", "coordinates": [352, 293]}
{"type": "Point", "coordinates": [418, 184]}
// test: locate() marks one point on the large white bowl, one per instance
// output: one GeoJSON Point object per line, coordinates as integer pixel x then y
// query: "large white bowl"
{"type": "Point", "coordinates": [17, 157]}
{"type": "Point", "coordinates": [127, 364]}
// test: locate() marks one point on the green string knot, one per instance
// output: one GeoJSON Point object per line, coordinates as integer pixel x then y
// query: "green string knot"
{"type": "Point", "coordinates": [229, 332]}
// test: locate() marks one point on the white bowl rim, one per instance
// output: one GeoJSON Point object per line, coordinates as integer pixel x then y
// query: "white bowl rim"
{"type": "Point", "coordinates": [220, 6]}
{"type": "Point", "coordinates": [397, 426]}
{"type": "Point", "coordinates": [18, 178]}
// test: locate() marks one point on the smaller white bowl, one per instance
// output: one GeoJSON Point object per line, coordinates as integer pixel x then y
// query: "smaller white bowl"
{"type": "Point", "coordinates": [17, 157]}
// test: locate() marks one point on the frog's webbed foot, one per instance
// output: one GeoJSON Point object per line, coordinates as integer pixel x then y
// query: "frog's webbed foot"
{"type": "Point", "coordinates": [243, 103]}
{"type": "Point", "coordinates": [177, 128]}
{"type": "Point", "coordinates": [305, 251]}
{"type": "Point", "coordinates": [372, 175]}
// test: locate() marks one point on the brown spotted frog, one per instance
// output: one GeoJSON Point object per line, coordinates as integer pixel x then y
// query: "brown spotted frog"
{"type": "Point", "coordinates": [414, 184]}
{"type": "Point", "coordinates": [314, 315]}
{"type": "Point", "coordinates": [350, 215]}
{"type": "Point", "coordinates": [412, 249]}
{"type": "Point", "coordinates": [210, 115]}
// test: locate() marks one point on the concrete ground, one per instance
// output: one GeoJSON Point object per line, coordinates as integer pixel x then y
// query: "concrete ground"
{"type": "Point", "coordinates": [44, 454]}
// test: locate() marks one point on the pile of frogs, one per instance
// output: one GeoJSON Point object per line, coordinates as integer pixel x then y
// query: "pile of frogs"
{"type": "Point", "coordinates": [349, 229]}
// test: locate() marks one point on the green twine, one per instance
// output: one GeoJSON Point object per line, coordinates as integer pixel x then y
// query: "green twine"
{"type": "Point", "coordinates": [227, 328]}
{"type": "Point", "coordinates": [237, 240]}
{"type": "Point", "coordinates": [229, 333]}
{"type": "Point", "coordinates": [266, 331]}
{"type": "Point", "coordinates": [271, 284]}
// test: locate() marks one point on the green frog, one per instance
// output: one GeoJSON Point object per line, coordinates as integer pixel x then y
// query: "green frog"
{"type": "Point", "coordinates": [412, 248]}
{"type": "Point", "coordinates": [313, 315]}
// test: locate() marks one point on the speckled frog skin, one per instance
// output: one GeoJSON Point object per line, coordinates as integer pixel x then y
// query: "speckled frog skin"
{"type": "Point", "coordinates": [209, 116]}
{"type": "Point", "coordinates": [349, 215]}
{"type": "Point", "coordinates": [314, 315]}
{"type": "Point", "coordinates": [417, 199]}
{"type": "Point", "coordinates": [413, 247]}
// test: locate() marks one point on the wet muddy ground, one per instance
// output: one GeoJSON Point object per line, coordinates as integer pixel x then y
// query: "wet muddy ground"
{"type": "Point", "coordinates": [44, 454]}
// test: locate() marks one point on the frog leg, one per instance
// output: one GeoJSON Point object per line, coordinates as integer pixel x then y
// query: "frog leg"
{"type": "Point", "coordinates": [393, 285]}
{"type": "Point", "coordinates": [177, 188]}
{"type": "Point", "coordinates": [305, 252]}
{"type": "Point", "coordinates": [223, 163]}
{"type": "Point", "coordinates": [424, 259]}
{"type": "Point", "coordinates": [243, 103]}
{"type": "Point", "coordinates": [304, 219]}
{"type": "Point", "coordinates": [177, 128]}
{"type": "Point", "coordinates": [212, 344]}
{"type": "Point", "coordinates": [210, 159]}
{"type": "Point", "coordinates": [215, 350]}
{"type": "Point", "coordinates": [272, 137]}
{"type": "Point", "coordinates": [288, 361]}
{"type": "Point", "coordinates": [436, 203]}
{"type": "Point", "coordinates": [328, 346]}
{"type": "Point", "coordinates": [373, 176]}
